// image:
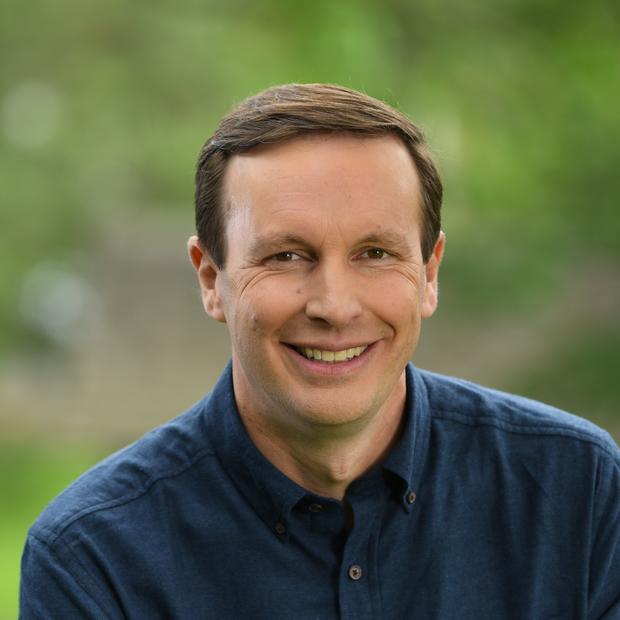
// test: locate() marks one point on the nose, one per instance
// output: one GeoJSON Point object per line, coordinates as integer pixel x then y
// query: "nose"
{"type": "Point", "coordinates": [334, 295]}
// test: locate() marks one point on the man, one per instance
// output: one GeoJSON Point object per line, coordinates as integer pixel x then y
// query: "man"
{"type": "Point", "coordinates": [324, 476]}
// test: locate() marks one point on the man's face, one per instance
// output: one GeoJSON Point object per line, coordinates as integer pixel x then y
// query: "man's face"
{"type": "Point", "coordinates": [324, 287]}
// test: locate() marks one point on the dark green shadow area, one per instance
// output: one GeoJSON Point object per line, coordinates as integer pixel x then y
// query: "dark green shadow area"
{"type": "Point", "coordinates": [582, 378]}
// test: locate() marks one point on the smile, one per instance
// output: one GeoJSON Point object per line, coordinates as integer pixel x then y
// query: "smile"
{"type": "Point", "coordinates": [331, 357]}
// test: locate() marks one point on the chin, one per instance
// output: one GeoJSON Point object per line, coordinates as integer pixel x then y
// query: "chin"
{"type": "Point", "coordinates": [334, 413]}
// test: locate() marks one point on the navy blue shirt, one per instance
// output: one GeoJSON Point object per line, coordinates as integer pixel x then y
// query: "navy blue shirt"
{"type": "Point", "coordinates": [489, 506]}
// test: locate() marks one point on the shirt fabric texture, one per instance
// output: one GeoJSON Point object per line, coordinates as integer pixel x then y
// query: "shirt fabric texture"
{"type": "Point", "coordinates": [489, 506]}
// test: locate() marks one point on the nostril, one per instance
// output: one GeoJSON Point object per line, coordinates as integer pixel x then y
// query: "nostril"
{"type": "Point", "coordinates": [334, 311]}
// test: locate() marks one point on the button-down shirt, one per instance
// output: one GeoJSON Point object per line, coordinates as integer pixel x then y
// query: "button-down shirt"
{"type": "Point", "coordinates": [489, 506]}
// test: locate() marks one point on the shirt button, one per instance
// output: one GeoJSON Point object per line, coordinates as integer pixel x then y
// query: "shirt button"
{"type": "Point", "coordinates": [280, 528]}
{"type": "Point", "coordinates": [355, 572]}
{"type": "Point", "coordinates": [315, 508]}
{"type": "Point", "coordinates": [411, 497]}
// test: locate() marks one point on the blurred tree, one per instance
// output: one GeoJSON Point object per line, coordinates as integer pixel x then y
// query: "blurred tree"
{"type": "Point", "coordinates": [104, 105]}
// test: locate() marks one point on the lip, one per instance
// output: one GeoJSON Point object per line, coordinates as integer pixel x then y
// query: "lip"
{"type": "Point", "coordinates": [317, 367]}
{"type": "Point", "coordinates": [328, 346]}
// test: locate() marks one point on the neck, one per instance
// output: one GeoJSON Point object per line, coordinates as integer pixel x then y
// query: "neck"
{"type": "Point", "coordinates": [325, 460]}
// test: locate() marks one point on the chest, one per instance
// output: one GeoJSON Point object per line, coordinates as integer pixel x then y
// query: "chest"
{"type": "Point", "coordinates": [488, 555]}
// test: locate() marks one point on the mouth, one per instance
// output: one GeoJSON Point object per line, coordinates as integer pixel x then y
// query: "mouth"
{"type": "Point", "coordinates": [331, 357]}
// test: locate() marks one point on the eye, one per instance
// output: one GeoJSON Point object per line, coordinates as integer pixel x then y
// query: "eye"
{"type": "Point", "coordinates": [285, 257]}
{"type": "Point", "coordinates": [376, 253]}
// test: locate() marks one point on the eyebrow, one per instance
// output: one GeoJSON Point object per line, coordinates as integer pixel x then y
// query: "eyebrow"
{"type": "Point", "coordinates": [391, 238]}
{"type": "Point", "coordinates": [267, 242]}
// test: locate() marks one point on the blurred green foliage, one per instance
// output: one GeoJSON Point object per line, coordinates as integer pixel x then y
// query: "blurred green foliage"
{"type": "Point", "coordinates": [518, 97]}
{"type": "Point", "coordinates": [104, 106]}
{"type": "Point", "coordinates": [45, 469]}
{"type": "Point", "coordinates": [581, 357]}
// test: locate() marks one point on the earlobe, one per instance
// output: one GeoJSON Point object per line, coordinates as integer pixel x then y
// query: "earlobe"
{"type": "Point", "coordinates": [431, 290]}
{"type": "Point", "coordinates": [208, 277]}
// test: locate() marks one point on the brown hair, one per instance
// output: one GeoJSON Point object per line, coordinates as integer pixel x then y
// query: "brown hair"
{"type": "Point", "coordinates": [284, 112]}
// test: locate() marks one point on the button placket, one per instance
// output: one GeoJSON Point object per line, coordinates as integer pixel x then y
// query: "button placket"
{"type": "Point", "coordinates": [358, 572]}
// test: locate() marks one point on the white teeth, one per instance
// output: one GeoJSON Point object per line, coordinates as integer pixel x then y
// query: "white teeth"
{"type": "Point", "coordinates": [340, 356]}
{"type": "Point", "coordinates": [330, 357]}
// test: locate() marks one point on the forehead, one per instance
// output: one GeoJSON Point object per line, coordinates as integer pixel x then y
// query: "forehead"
{"type": "Point", "coordinates": [334, 175]}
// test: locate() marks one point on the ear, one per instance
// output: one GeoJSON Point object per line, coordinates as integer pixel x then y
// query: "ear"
{"type": "Point", "coordinates": [208, 273]}
{"type": "Point", "coordinates": [431, 291]}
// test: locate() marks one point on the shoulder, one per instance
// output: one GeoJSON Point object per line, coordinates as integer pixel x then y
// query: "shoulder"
{"type": "Point", "coordinates": [129, 475]}
{"type": "Point", "coordinates": [459, 402]}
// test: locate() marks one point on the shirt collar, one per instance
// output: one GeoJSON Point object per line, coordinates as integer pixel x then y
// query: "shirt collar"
{"type": "Point", "coordinates": [406, 459]}
{"type": "Point", "coordinates": [268, 490]}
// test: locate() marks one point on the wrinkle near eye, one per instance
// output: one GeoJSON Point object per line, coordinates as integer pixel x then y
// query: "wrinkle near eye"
{"type": "Point", "coordinates": [244, 283]}
{"type": "Point", "coordinates": [412, 273]}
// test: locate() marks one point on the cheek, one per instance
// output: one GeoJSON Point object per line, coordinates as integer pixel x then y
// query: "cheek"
{"type": "Point", "coordinates": [266, 310]}
{"type": "Point", "coordinates": [396, 298]}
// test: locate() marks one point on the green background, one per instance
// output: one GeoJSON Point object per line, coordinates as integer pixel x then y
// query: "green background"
{"type": "Point", "coordinates": [103, 108]}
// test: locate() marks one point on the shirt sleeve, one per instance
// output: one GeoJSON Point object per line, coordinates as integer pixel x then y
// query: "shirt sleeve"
{"type": "Point", "coordinates": [604, 581]}
{"type": "Point", "coordinates": [55, 588]}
